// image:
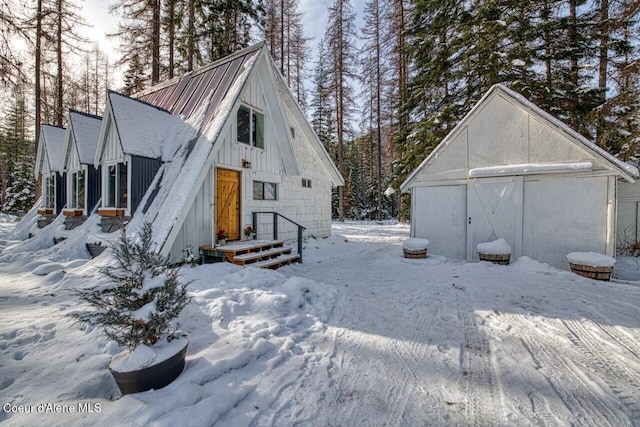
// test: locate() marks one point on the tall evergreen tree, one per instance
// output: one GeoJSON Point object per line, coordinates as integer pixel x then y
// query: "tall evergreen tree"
{"type": "Point", "coordinates": [374, 74]}
{"type": "Point", "coordinates": [17, 186]}
{"type": "Point", "coordinates": [341, 36]}
{"type": "Point", "coordinates": [322, 109]}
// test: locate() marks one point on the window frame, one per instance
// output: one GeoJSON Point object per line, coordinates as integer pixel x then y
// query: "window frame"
{"type": "Point", "coordinates": [77, 189]}
{"type": "Point", "coordinates": [263, 185]}
{"type": "Point", "coordinates": [110, 199]}
{"type": "Point", "coordinates": [49, 191]}
{"type": "Point", "coordinates": [256, 134]}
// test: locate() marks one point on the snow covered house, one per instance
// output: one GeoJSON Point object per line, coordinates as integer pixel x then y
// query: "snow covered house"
{"type": "Point", "coordinates": [133, 143]}
{"type": "Point", "coordinates": [82, 177]}
{"type": "Point", "coordinates": [213, 150]}
{"type": "Point", "coordinates": [54, 195]}
{"type": "Point", "coordinates": [510, 170]}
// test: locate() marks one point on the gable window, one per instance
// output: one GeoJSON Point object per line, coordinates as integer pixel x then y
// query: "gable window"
{"type": "Point", "coordinates": [76, 200]}
{"type": "Point", "coordinates": [306, 183]}
{"type": "Point", "coordinates": [116, 186]}
{"type": "Point", "coordinates": [264, 191]}
{"type": "Point", "coordinates": [49, 191]}
{"type": "Point", "coordinates": [250, 127]}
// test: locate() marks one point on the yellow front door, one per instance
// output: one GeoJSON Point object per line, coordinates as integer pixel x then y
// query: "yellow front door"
{"type": "Point", "coordinates": [228, 202]}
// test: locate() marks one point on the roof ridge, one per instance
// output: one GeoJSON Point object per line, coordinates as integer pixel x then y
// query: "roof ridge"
{"type": "Point", "coordinates": [113, 92]}
{"type": "Point", "coordinates": [83, 113]}
{"type": "Point", "coordinates": [214, 64]}
{"type": "Point", "coordinates": [54, 126]}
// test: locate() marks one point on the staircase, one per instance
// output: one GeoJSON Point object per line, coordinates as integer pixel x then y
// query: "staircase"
{"type": "Point", "coordinates": [253, 253]}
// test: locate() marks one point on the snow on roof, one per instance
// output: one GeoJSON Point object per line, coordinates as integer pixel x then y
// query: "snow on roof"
{"type": "Point", "coordinates": [144, 130]}
{"type": "Point", "coordinates": [529, 168]}
{"type": "Point", "coordinates": [185, 96]}
{"type": "Point", "coordinates": [86, 130]}
{"type": "Point", "coordinates": [178, 180]}
{"type": "Point", "coordinates": [53, 140]}
{"type": "Point", "coordinates": [628, 171]}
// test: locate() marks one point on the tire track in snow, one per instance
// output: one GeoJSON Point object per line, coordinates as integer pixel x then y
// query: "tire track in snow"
{"type": "Point", "coordinates": [411, 354]}
{"type": "Point", "coordinates": [585, 405]}
{"type": "Point", "coordinates": [625, 341]}
{"type": "Point", "coordinates": [479, 382]}
{"type": "Point", "coordinates": [623, 383]}
{"type": "Point", "coordinates": [479, 378]}
{"type": "Point", "coordinates": [537, 408]}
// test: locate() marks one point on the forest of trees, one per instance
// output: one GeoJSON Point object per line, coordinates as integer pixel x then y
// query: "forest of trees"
{"type": "Point", "coordinates": [382, 87]}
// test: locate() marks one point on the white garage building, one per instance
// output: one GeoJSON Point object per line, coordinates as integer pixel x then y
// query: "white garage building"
{"type": "Point", "coordinates": [510, 170]}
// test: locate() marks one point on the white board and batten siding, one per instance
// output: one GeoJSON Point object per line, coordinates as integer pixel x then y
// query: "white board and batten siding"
{"type": "Point", "coordinates": [198, 224]}
{"type": "Point", "coordinates": [310, 207]}
{"type": "Point", "coordinates": [508, 172]}
{"type": "Point", "coordinates": [628, 209]}
{"type": "Point", "coordinates": [71, 160]}
{"type": "Point", "coordinates": [112, 149]}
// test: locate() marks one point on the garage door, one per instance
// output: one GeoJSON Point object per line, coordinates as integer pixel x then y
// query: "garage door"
{"type": "Point", "coordinates": [439, 215]}
{"type": "Point", "coordinates": [494, 211]}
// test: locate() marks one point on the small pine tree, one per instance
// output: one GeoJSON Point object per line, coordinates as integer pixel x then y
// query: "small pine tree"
{"type": "Point", "coordinates": [20, 194]}
{"type": "Point", "coordinates": [144, 297]}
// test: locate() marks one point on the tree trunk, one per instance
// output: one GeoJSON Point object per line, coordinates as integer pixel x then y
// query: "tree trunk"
{"type": "Point", "coordinates": [59, 114]}
{"type": "Point", "coordinates": [378, 110]}
{"type": "Point", "coordinates": [282, 6]}
{"type": "Point", "coordinates": [191, 36]}
{"type": "Point", "coordinates": [340, 109]}
{"type": "Point", "coordinates": [172, 36]}
{"type": "Point", "coordinates": [155, 43]}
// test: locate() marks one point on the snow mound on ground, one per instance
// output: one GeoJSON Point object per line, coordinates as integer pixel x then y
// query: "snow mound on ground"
{"type": "Point", "coordinates": [497, 247]}
{"type": "Point", "coordinates": [591, 259]}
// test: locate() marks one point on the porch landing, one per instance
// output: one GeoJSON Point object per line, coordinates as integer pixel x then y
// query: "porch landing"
{"type": "Point", "coordinates": [254, 253]}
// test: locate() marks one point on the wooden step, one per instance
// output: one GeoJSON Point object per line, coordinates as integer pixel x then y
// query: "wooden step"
{"type": "Point", "coordinates": [253, 253]}
{"type": "Point", "coordinates": [253, 257]}
{"type": "Point", "coordinates": [277, 262]}
{"type": "Point", "coordinates": [233, 249]}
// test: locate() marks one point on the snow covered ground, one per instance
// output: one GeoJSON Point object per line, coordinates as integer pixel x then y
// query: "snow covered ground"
{"type": "Point", "coordinates": [356, 335]}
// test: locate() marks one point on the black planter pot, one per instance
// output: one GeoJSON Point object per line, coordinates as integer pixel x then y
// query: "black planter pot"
{"type": "Point", "coordinates": [153, 377]}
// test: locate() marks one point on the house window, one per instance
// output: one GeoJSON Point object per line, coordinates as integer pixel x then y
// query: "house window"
{"type": "Point", "coordinates": [306, 183]}
{"type": "Point", "coordinates": [116, 186]}
{"type": "Point", "coordinates": [49, 191]}
{"type": "Point", "coordinates": [250, 127]}
{"type": "Point", "coordinates": [293, 132]}
{"type": "Point", "coordinates": [77, 190]}
{"type": "Point", "coordinates": [264, 191]}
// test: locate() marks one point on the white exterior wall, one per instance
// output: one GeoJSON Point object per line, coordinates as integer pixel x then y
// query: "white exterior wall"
{"type": "Point", "coordinates": [310, 207]}
{"type": "Point", "coordinates": [438, 214]}
{"type": "Point", "coordinates": [112, 151]}
{"type": "Point", "coordinates": [563, 215]}
{"type": "Point", "coordinates": [548, 215]}
{"type": "Point", "coordinates": [197, 226]}
{"type": "Point", "coordinates": [628, 221]}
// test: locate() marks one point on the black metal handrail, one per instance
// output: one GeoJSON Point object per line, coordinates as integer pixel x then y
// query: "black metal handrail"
{"type": "Point", "coordinates": [301, 228]}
